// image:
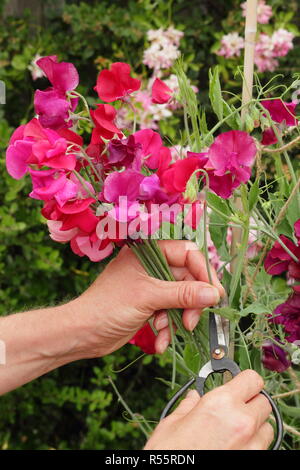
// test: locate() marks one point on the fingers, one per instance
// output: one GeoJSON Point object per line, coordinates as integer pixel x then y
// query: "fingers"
{"type": "Point", "coordinates": [181, 253]}
{"type": "Point", "coordinates": [191, 317]}
{"type": "Point", "coordinates": [183, 294]}
{"type": "Point", "coordinates": [245, 385]}
{"type": "Point", "coordinates": [191, 400]}
{"type": "Point", "coordinates": [262, 439]}
{"type": "Point", "coordinates": [260, 408]}
{"type": "Point", "coordinates": [163, 340]}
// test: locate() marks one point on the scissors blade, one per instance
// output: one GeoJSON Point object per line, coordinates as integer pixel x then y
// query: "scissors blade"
{"type": "Point", "coordinates": [219, 329]}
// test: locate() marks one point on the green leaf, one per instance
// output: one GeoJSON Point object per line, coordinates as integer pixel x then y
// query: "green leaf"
{"type": "Point", "coordinates": [256, 308]}
{"type": "Point", "coordinates": [230, 313]}
{"type": "Point", "coordinates": [253, 195]}
{"type": "Point", "coordinates": [215, 93]}
{"type": "Point", "coordinates": [219, 205]}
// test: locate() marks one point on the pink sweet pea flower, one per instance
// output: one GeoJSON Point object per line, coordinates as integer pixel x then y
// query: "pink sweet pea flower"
{"type": "Point", "coordinates": [52, 104]}
{"type": "Point", "coordinates": [17, 154]}
{"type": "Point", "coordinates": [62, 75]}
{"type": "Point", "coordinates": [61, 236]}
{"type": "Point", "coordinates": [125, 183]}
{"type": "Point", "coordinates": [49, 184]}
{"type": "Point", "coordinates": [230, 157]}
{"type": "Point", "coordinates": [151, 145]}
{"type": "Point", "coordinates": [145, 339]}
{"type": "Point", "coordinates": [281, 112]}
{"type": "Point", "coordinates": [161, 93]}
{"type": "Point", "coordinates": [53, 108]}
{"type": "Point", "coordinates": [96, 251]}
{"type": "Point", "coordinates": [116, 83]}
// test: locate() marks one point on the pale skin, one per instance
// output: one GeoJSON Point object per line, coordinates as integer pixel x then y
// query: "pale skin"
{"type": "Point", "coordinates": [108, 314]}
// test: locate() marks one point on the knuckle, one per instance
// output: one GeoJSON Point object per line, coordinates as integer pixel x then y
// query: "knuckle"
{"type": "Point", "coordinates": [254, 377]}
{"type": "Point", "coordinates": [244, 426]}
{"type": "Point", "coordinates": [186, 294]}
{"type": "Point", "coordinates": [219, 398]}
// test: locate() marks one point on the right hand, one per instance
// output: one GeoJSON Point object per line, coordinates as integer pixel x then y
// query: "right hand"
{"type": "Point", "coordinates": [230, 417]}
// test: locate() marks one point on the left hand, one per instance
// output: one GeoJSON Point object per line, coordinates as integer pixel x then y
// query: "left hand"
{"type": "Point", "coordinates": [124, 296]}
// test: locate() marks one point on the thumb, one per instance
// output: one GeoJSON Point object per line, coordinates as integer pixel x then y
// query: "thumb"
{"type": "Point", "coordinates": [183, 294]}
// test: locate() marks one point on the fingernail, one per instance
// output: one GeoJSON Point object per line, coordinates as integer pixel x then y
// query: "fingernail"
{"type": "Point", "coordinates": [162, 322]}
{"type": "Point", "coordinates": [209, 296]}
{"type": "Point", "coordinates": [193, 321]}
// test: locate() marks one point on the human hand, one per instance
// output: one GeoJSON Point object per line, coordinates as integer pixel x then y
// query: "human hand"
{"type": "Point", "coordinates": [124, 296]}
{"type": "Point", "coordinates": [231, 417]}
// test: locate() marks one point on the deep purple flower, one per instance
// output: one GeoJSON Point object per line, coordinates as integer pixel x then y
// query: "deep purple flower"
{"type": "Point", "coordinates": [288, 315]}
{"type": "Point", "coordinates": [122, 152]}
{"type": "Point", "coordinates": [274, 358]}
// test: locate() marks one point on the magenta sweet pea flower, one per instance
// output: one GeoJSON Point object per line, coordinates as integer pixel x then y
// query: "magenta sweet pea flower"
{"type": "Point", "coordinates": [53, 108]}
{"type": "Point", "coordinates": [52, 105]}
{"type": "Point", "coordinates": [280, 112]}
{"type": "Point", "coordinates": [161, 93]}
{"type": "Point", "coordinates": [231, 156]}
{"type": "Point", "coordinates": [122, 152]}
{"type": "Point", "coordinates": [151, 144]}
{"type": "Point", "coordinates": [125, 183]}
{"type": "Point", "coordinates": [274, 358]}
{"type": "Point", "coordinates": [49, 184]}
{"type": "Point", "coordinates": [62, 75]}
{"type": "Point", "coordinates": [116, 83]}
{"type": "Point", "coordinates": [17, 154]}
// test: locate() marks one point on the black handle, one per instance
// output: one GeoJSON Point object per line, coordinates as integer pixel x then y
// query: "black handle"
{"type": "Point", "coordinates": [200, 389]}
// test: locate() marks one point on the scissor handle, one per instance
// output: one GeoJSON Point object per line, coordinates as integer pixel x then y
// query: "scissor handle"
{"type": "Point", "coordinates": [200, 381]}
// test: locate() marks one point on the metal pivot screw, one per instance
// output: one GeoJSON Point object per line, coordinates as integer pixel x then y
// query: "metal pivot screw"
{"type": "Point", "coordinates": [218, 353]}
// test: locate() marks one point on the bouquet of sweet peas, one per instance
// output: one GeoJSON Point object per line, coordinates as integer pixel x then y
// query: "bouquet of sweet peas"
{"type": "Point", "coordinates": [103, 186]}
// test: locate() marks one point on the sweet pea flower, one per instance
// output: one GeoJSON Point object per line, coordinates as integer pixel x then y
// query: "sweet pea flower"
{"type": "Point", "coordinates": [145, 339]}
{"type": "Point", "coordinates": [53, 108]}
{"type": "Point", "coordinates": [62, 75]}
{"type": "Point", "coordinates": [230, 158]}
{"type": "Point", "coordinates": [281, 111]}
{"type": "Point", "coordinates": [49, 184]}
{"type": "Point", "coordinates": [282, 42]}
{"type": "Point", "coordinates": [151, 144]}
{"type": "Point", "coordinates": [231, 45]}
{"type": "Point", "coordinates": [264, 57]}
{"type": "Point", "coordinates": [32, 144]}
{"type": "Point", "coordinates": [161, 93]}
{"type": "Point", "coordinates": [122, 152]}
{"type": "Point", "coordinates": [58, 235]}
{"type": "Point", "coordinates": [277, 260]}
{"type": "Point", "coordinates": [288, 315]}
{"type": "Point", "coordinates": [125, 183]}
{"type": "Point", "coordinates": [274, 357]}
{"type": "Point", "coordinates": [176, 177]}
{"type": "Point", "coordinates": [52, 105]}
{"type": "Point", "coordinates": [96, 251]}
{"type": "Point", "coordinates": [104, 118]}
{"type": "Point", "coordinates": [116, 83]}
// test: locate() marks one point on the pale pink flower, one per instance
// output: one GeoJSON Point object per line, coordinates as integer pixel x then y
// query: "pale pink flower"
{"type": "Point", "coordinates": [231, 45]}
{"type": "Point", "coordinates": [264, 54]}
{"type": "Point", "coordinates": [264, 11]}
{"type": "Point", "coordinates": [163, 50]}
{"type": "Point", "coordinates": [282, 42]}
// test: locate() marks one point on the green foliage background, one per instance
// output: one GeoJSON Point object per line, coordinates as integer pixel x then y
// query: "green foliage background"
{"type": "Point", "coordinates": [75, 407]}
